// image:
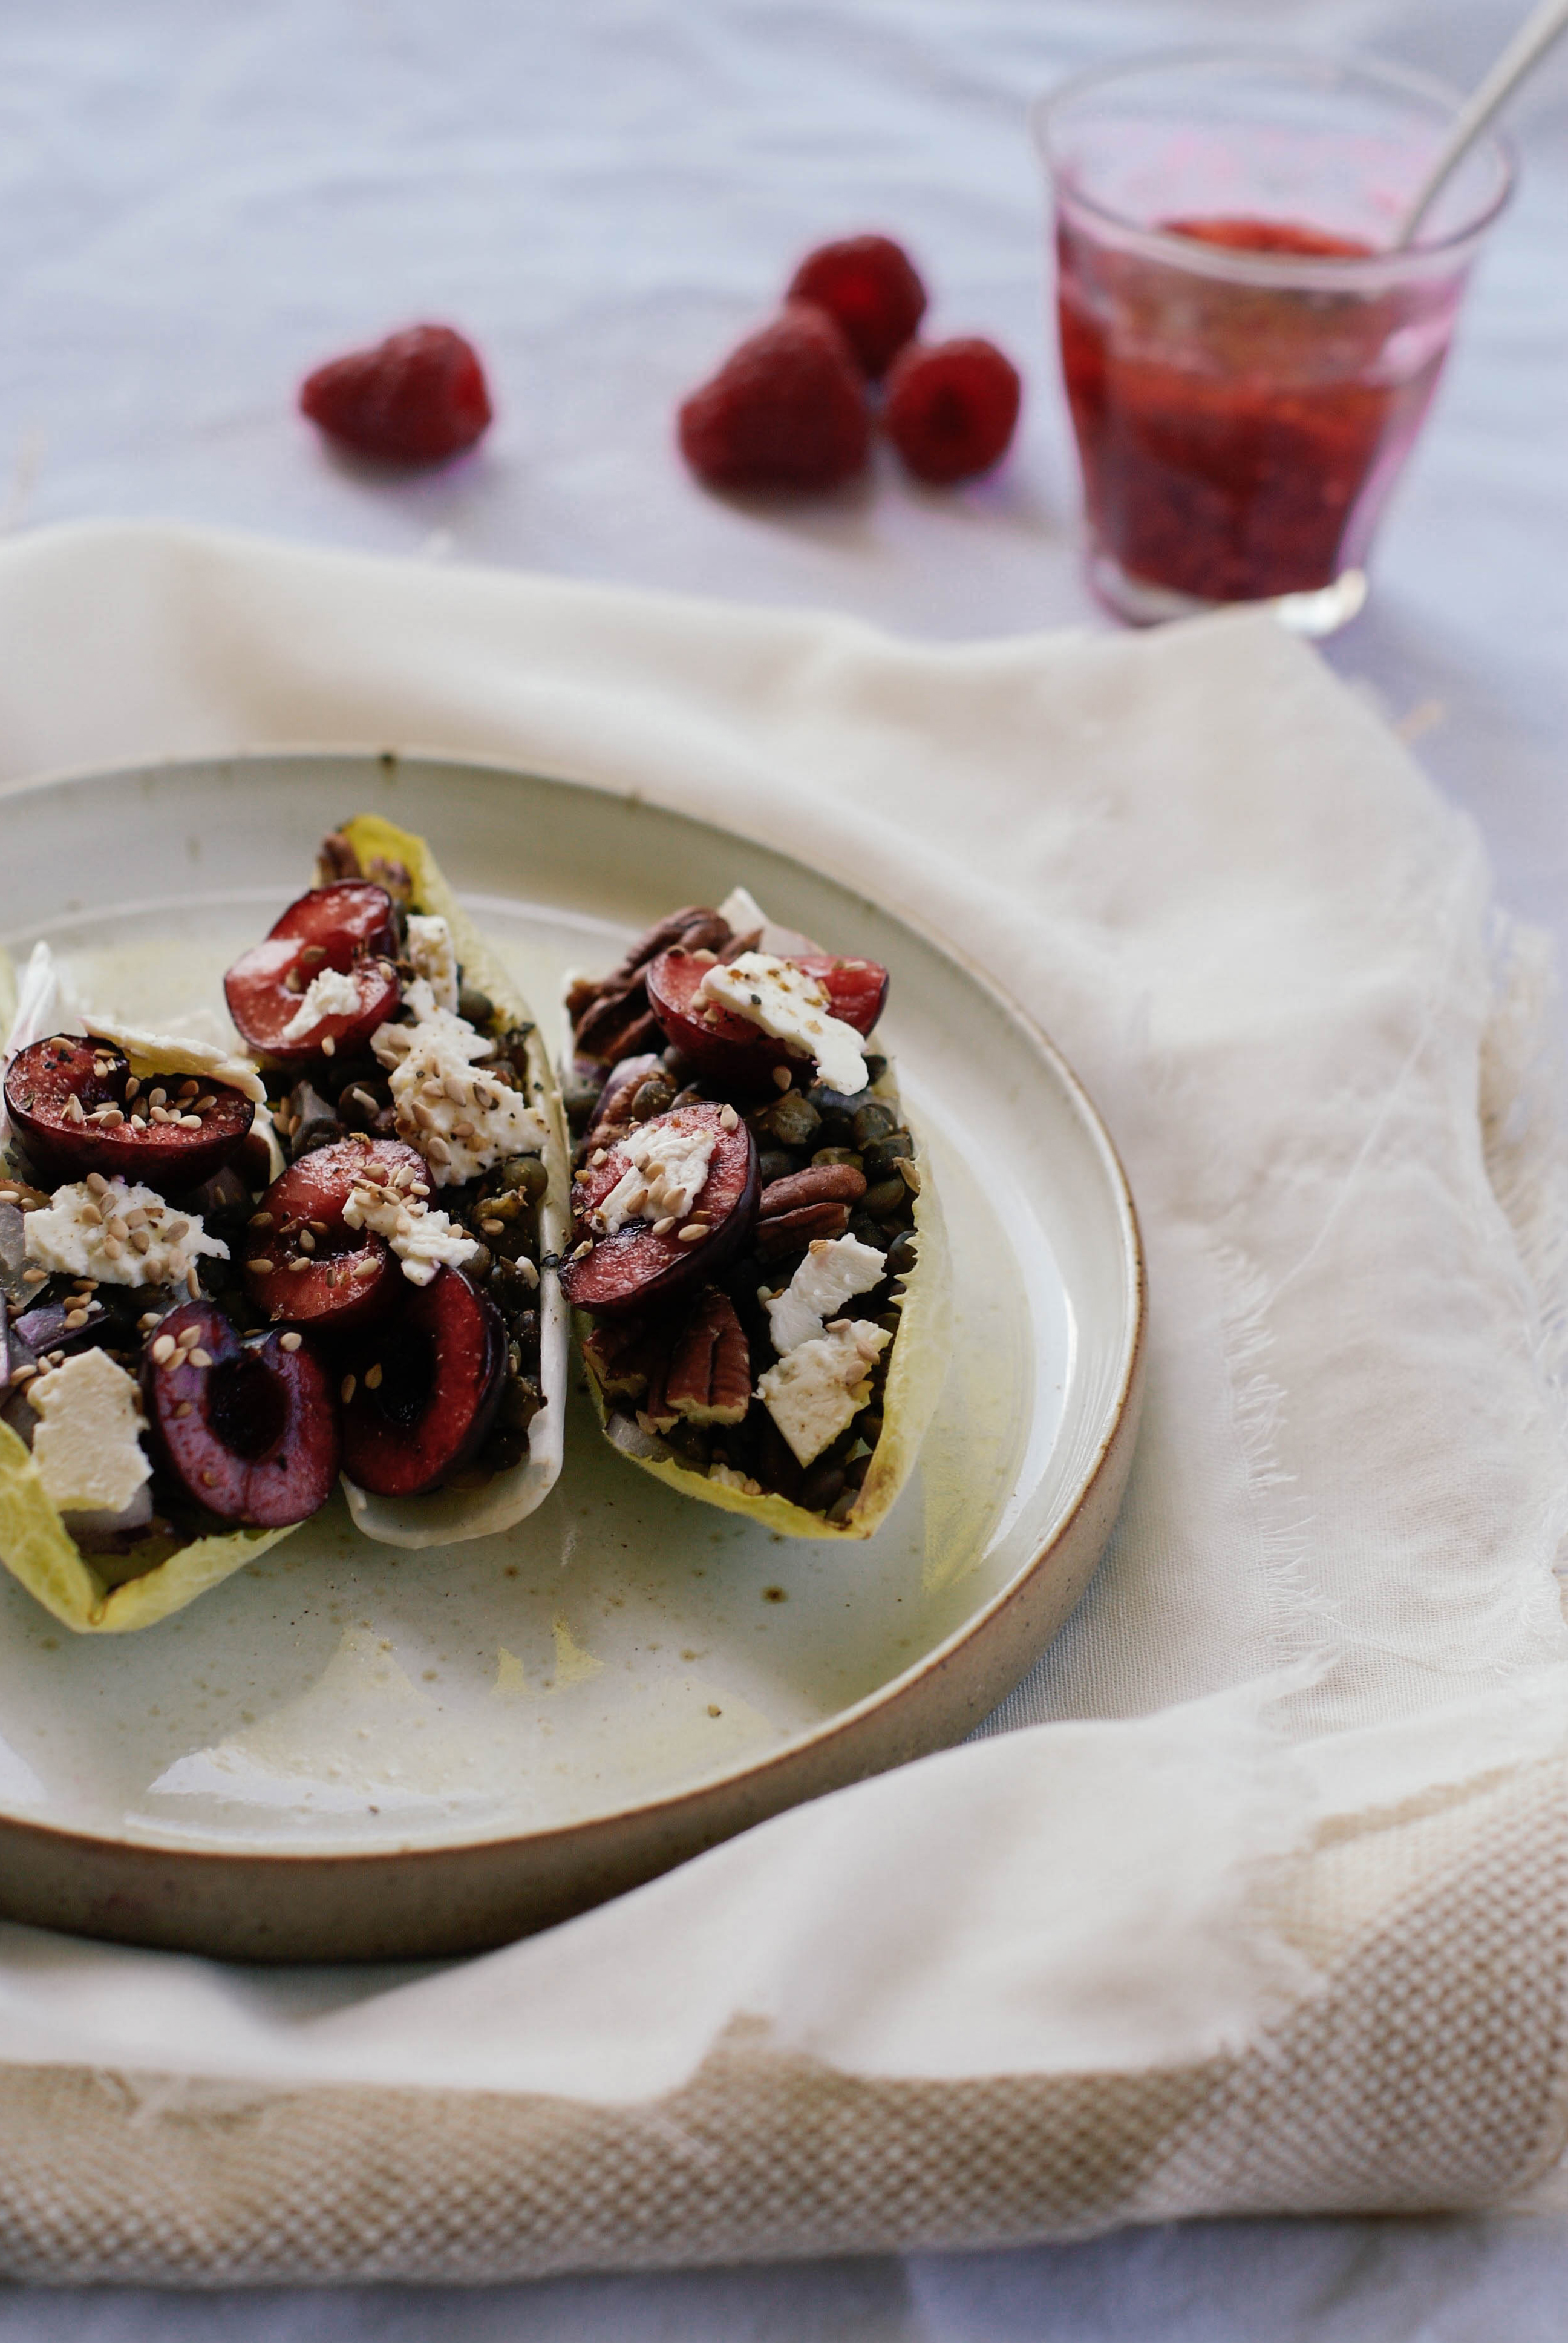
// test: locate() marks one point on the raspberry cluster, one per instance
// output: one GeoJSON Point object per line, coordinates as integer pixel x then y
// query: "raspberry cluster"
{"type": "Point", "coordinates": [793, 406]}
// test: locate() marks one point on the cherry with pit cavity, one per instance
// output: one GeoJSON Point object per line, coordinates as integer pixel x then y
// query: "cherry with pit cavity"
{"type": "Point", "coordinates": [348, 927]}
{"type": "Point", "coordinates": [637, 1266]}
{"type": "Point", "coordinates": [247, 1427]}
{"type": "Point", "coordinates": [303, 1263]}
{"type": "Point", "coordinates": [80, 1109]}
{"type": "Point", "coordinates": [422, 1390]}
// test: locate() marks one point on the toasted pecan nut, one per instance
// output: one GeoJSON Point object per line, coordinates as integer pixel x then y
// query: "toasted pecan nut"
{"type": "Point", "coordinates": [793, 1231]}
{"type": "Point", "coordinates": [336, 859]}
{"type": "Point", "coordinates": [696, 928]}
{"type": "Point", "coordinates": [611, 1019]}
{"type": "Point", "coordinates": [705, 1375]}
{"type": "Point", "coordinates": [819, 1183]}
{"type": "Point", "coordinates": [619, 1356]}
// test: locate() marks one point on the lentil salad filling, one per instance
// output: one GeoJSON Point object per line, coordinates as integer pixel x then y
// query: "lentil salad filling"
{"type": "Point", "coordinates": [227, 1280]}
{"type": "Point", "coordinates": [755, 1256]}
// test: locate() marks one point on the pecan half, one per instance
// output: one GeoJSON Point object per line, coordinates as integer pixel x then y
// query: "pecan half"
{"type": "Point", "coordinates": [611, 1018]}
{"type": "Point", "coordinates": [336, 859]}
{"type": "Point", "coordinates": [706, 1376]}
{"type": "Point", "coordinates": [805, 1205]}
{"type": "Point", "coordinates": [618, 1355]}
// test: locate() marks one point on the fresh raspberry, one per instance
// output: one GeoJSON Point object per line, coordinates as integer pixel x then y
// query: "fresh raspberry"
{"type": "Point", "coordinates": [415, 399]}
{"type": "Point", "coordinates": [787, 409]}
{"type": "Point", "coordinates": [951, 408]}
{"type": "Point", "coordinates": [868, 283]}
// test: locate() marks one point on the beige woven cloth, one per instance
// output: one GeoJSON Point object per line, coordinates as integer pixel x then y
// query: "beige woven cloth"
{"type": "Point", "coordinates": [1261, 1907]}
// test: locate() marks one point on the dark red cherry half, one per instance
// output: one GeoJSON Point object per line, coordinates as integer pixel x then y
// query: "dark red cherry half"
{"type": "Point", "coordinates": [634, 1267]}
{"type": "Point", "coordinates": [427, 1386]}
{"type": "Point", "coordinates": [725, 1045]}
{"type": "Point", "coordinates": [349, 1275]}
{"type": "Point", "coordinates": [124, 1138]}
{"type": "Point", "coordinates": [348, 926]}
{"type": "Point", "coordinates": [248, 1428]}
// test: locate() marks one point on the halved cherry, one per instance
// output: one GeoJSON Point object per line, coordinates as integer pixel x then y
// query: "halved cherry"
{"type": "Point", "coordinates": [247, 1427]}
{"type": "Point", "coordinates": [727, 1046]}
{"type": "Point", "coordinates": [425, 1388]}
{"type": "Point", "coordinates": [635, 1267]}
{"type": "Point", "coordinates": [349, 1275]}
{"type": "Point", "coordinates": [348, 927]}
{"type": "Point", "coordinates": [68, 1099]}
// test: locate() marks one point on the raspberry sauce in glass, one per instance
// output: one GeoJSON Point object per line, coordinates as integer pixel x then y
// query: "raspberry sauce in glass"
{"type": "Point", "coordinates": [1247, 359]}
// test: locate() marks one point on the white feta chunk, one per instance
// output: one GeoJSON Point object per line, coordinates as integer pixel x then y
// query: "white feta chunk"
{"type": "Point", "coordinates": [817, 1392]}
{"type": "Point", "coordinates": [117, 1232]}
{"type": "Point", "coordinates": [87, 1445]}
{"type": "Point", "coordinates": [666, 1172]}
{"type": "Point", "coordinates": [334, 993]}
{"type": "Point", "coordinates": [462, 1123]}
{"type": "Point", "coordinates": [787, 1002]}
{"type": "Point", "coordinates": [432, 956]}
{"type": "Point", "coordinates": [421, 1238]}
{"type": "Point", "coordinates": [834, 1269]}
{"type": "Point", "coordinates": [741, 911]}
{"type": "Point", "coordinates": [177, 1053]}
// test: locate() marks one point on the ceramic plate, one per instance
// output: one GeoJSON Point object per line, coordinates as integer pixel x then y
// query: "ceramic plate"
{"type": "Point", "coordinates": [346, 1751]}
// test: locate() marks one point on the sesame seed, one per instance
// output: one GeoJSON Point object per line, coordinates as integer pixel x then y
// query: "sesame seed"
{"type": "Point", "coordinates": [186, 1407]}
{"type": "Point", "coordinates": [438, 1149]}
{"type": "Point", "coordinates": [193, 1282]}
{"type": "Point", "coordinates": [433, 1087]}
{"type": "Point", "coordinates": [177, 1232]}
{"type": "Point", "coordinates": [190, 1122]}
{"type": "Point", "coordinates": [142, 1240]}
{"type": "Point", "coordinates": [96, 1184]}
{"type": "Point", "coordinates": [188, 1089]}
{"type": "Point", "coordinates": [200, 1358]}
{"type": "Point", "coordinates": [34, 1277]}
{"type": "Point", "coordinates": [313, 952]}
{"type": "Point", "coordinates": [164, 1350]}
{"type": "Point", "coordinates": [132, 1087]}
{"type": "Point", "coordinates": [306, 1242]}
{"type": "Point", "coordinates": [137, 1217]}
{"type": "Point", "coordinates": [157, 1098]}
{"type": "Point", "coordinates": [205, 1105]}
{"type": "Point", "coordinates": [422, 1115]}
{"type": "Point", "coordinates": [728, 1118]}
{"type": "Point", "coordinates": [74, 1109]}
{"type": "Point", "coordinates": [662, 1228]}
{"type": "Point", "coordinates": [329, 1046]}
{"type": "Point", "coordinates": [600, 1155]}
{"type": "Point", "coordinates": [526, 1271]}
{"type": "Point", "coordinates": [113, 1248]}
{"type": "Point", "coordinates": [345, 1389]}
{"type": "Point", "coordinates": [910, 1173]}
{"type": "Point", "coordinates": [209, 1480]}
{"type": "Point", "coordinates": [23, 1375]}
{"type": "Point", "coordinates": [56, 1358]}
{"type": "Point", "coordinates": [365, 1268]}
{"type": "Point", "coordinates": [319, 1227]}
{"type": "Point", "coordinates": [261, 1220]}
{"type": "Point", "coordinates": [692, 1231]}
{"type": "Point", "coordinates": [492, 1228]}
{"type": "Point", "coordinates": [462, 1131]}
{"type": "Point", "coordinates": [75, 1318]}
{"type": "Point", "coordinates": [297, 1268]}
{"type": "Point", "coordinates": [261, 1266]}
{"type": "Point", "coordinates": [373, 1377]}
{"type": "Point", "coordinates": [290, 1342]}
{"type": "Point", "coordinates": [147, 1321]}
{"type": "Point", "coordinates": [189, 1336]}
{"type": "Point", "coordinates": [456, 1090]}
{"type": "Point", "coordinates": [782, 1078]}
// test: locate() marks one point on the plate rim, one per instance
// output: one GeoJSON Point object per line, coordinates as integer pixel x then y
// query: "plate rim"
{"type": "Point", "coordinates": [1118, 1433]}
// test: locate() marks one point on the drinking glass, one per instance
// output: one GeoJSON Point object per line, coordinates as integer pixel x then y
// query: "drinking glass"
{"type": "Point", "coordinates": [1247, 357]}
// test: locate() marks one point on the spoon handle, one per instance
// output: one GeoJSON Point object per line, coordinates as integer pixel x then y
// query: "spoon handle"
{"type": "Point", "coordinates": [1544, 24]}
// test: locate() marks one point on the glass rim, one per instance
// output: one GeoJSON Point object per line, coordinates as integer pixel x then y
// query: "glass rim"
{"type": "Point", "coordinates": [1318, 270]}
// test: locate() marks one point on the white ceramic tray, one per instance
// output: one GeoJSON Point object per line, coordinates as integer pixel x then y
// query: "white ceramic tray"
{"type": "Point", "coordinates": [346, 1751]}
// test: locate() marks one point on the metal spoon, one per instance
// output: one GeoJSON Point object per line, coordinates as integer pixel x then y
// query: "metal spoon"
{"type": "Point", "coordinates": [1540, 29]}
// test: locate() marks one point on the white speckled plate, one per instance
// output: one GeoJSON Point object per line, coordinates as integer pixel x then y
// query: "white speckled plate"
{"type": "Point", "coordinates": [350, 1751]}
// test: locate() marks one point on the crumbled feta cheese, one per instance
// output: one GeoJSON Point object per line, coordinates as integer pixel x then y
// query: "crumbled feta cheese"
{"type": "Point", "coordinates": [432, 957]}
{"type": "Point", "coordinates": [787, 1002]}
{"type": "Point", "coordinates": [421, 1238]}
{"type": "Point", "coordinates": [742, 913]}
{"type": "Point", "coordinates": [87, 1447]}
{"type": "Point", "coordinates": [169, 1053]}
{"type": "Point", "coordinates": [834, 1269]}
{"type": "Point", "coordinates": [118, 1234]}
{"type": "Point", "coordinates": [729, 1478]}
{"type": "Point", "coordinates": [334, 993]}
{"type": "Point", "coordinates": [667, 1169]}
{"type": "Point", "coordinates": [817, 1392]}
{"type": "Point", "coordinates": [461, 1121]}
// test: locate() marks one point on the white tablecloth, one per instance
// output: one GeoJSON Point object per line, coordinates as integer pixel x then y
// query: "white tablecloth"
{"type": "Point", "coordinates": [202, 203]}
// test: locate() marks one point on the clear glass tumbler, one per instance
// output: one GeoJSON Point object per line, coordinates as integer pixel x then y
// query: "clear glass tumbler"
{"type": "Point", "coordinates": [1247, 360]}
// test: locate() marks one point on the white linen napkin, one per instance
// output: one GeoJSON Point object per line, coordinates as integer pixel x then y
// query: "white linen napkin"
{"type": "Point", "coordinates": [1262, 1908]}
